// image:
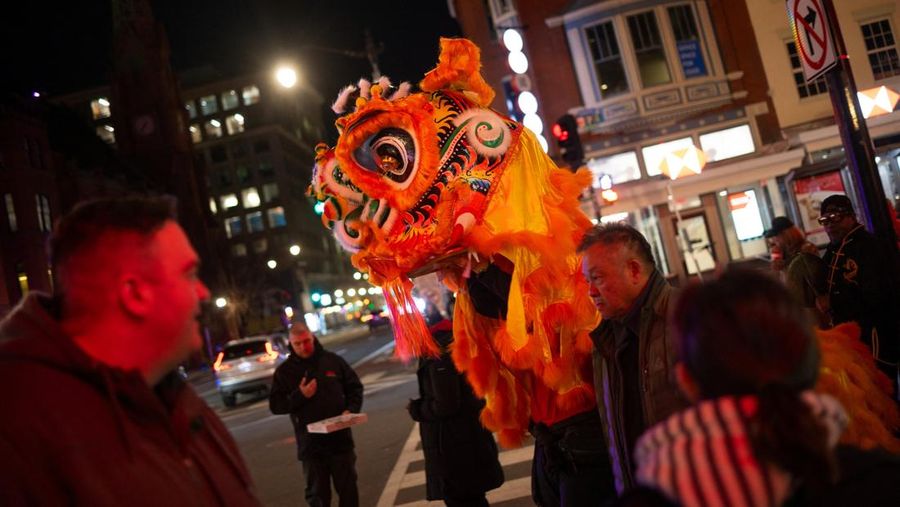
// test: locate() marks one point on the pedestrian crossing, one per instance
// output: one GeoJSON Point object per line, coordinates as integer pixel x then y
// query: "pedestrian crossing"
{"type": "Point", "coordinates": [406, 485]}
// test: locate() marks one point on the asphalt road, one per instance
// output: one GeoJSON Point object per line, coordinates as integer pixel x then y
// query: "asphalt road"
{"type": "Point", "coordinates": [389, 460]}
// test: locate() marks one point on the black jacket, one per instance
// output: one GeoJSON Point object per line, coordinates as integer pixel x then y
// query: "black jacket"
{"type": "Point", "coordinates": [460, 455]}
{"type": "Point", "coordinates": [78, 432]}
{"type": "Point", "coordinates": [338, 389]}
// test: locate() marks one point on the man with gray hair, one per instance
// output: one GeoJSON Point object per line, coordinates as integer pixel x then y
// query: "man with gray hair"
{"type": "Point", "coordinates": [634, 357]}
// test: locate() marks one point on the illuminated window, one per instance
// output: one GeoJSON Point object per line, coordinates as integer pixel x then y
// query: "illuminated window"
{"type": "Point", "coordinates": [213, 128]}
{"type": "Point", "coordinates": [745, 214]}
{"type": "Point", "coordinates": [100, 108]}
{"type": "Point", "coordinates": [654, 155]}
{"type": "Point", "coordinates": [229, 100]}
{"type": "Point", "coordinates": [250, 197]}
{"type": "Point", "coordinates": [804, 89]}
{"type": "Point", "coordinates": [233, 226]}
{"type": "Point", "coordinates": [251, 95]}
{"type": "Point", "coordinates": [727, 143]}
{"type": "Point", "coordinates": [228, 201]}
{"type": "Point", "coordinates": [269, 191]}
{"type": "Point", "coordinates": [276, 217]}
{"type": "Point", "coordinates": [687, 41]}
{"type": "Point", "coordinates": [607, 59]}
{"type": "Point", "coordinates": [234, 123]}
{"type": "Point", "coordinates": [648, 48]}
{"type": "Point", "coordinates": [239, 250]}
{"type": "Point", "coordinates": [107, 133]}
{"type": "Point", "coordinates": [10, 213]}
{"type": "Point", "coordinates": [208, 105]}
{"type": "Point", "coordinates": [260, 245]}
{"type": "Point", "coordinates": [255, 222]}
{"type": "Point", "coordinates": [191, 109]}
{"type": "Point", "coordinates": [621, 167]}
{"type": "Point", "coordinates": [43, 212]}
{"type": "Point", "coordinates": [881, 48]}
{"type": "Point", "coordinates": [196, 136]}
{"type": "Point", "coordinates": [22, 278]}
{"type": "Point", "coordinates": [212, 205]}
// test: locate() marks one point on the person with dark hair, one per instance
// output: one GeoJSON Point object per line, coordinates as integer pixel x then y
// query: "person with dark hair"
{"type": "Point", "coordinates": [805, 272]}
{"type": "Point", "coordinates": [758, 434]}
{"type": "Point", "coordinates": [633, 352]}
{"type": "Point", "coordinates": [863, 283]}
{"type": "Point", "coordinates": [310, 385]}
{"type": "Point", "coordinates": [461, 457]}
{"type": "Point", "coordinates": [99, 415]}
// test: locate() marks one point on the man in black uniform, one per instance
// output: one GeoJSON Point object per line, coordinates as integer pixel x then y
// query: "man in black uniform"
{"type": "Point", "coordinates": [862, 282]}
{"type": "Point", "coordinates": [311, 385]}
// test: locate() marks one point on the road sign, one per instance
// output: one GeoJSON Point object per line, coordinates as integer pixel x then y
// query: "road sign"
{"type": "Point", "coordinates": [812, 35]}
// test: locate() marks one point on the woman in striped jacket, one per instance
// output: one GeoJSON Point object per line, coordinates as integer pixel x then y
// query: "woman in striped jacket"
{"type": "Point", "coordinates": [757, 435]}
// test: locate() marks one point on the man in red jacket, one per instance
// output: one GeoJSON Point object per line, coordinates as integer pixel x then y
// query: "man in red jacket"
{"type": "Point", "coordinates": [94, 413]}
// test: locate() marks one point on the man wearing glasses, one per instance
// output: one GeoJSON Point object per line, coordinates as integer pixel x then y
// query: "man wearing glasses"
{"type": "Point", "coordinates": [862, 282]}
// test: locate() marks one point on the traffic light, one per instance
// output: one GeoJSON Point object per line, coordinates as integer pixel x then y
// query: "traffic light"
{"type": "Point", "coordinates": [565, 130]}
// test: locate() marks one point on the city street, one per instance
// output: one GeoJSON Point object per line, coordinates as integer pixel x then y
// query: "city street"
{"type": "Point", "coordinates": [389, 458]}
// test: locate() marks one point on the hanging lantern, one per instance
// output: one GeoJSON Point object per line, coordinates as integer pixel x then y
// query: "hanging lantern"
{"type": "Point", "coordinates": [678, 163]}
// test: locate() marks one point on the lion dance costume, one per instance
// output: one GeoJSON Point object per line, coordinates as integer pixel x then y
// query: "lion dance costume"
{"type": "Point", "coordinates": [417, 176]}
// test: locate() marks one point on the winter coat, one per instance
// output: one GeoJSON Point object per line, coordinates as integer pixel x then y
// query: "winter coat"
{"type": "Point", "coordinates": [460, 454]}
{"type": "Point", "coordinates": [660, 396]}
{"type": "Point", "coordinates": [77, 432]}
{"type": "Point", "coordinates": [337, 389]}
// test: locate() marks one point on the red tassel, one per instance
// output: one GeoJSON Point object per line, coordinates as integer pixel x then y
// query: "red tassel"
{"type": "Point", "coordinates": [411, 334]}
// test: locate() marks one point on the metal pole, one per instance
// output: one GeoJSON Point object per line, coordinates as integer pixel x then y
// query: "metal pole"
{"type": "Point", "coordinates": [858, 147]}
{"type": "Point", "coordinates": [682, 233]}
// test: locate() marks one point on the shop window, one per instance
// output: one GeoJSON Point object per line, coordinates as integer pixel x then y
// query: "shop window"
{"type": "Point", "coordinates": [260, 245]}
{"type": "Point", "coordinates": [196, 136]}
{"type": "Point", "coordinates": [648, 48]}
{"type": "Point", "coordinates": [276, 217]}
{"type": "Point", "coordinates": [100, 108]}
{"type": "Point", "coordinates": [621, 167]}
{"type": "Point", "coordinates": [804, 89]}
{"type": "Point", "coordinates": [250, 197]}
{"type": "Point", "coordinates": [233, 227]}
{"type": "Point", "coordinates": [43, 212]}
{"type": "Point", "coordinates": [218, 154]}
{"type": "Point", "coordinates": [255, 222]}
{"type": "Point", "coordinates": [881, 49]}
{"type": "Point", "coordinates": [107, 133]}
{"type": "Point", "coordinates": [234, 123]}
{"type": "Point", "coordinates": [10, 213]}
{"type": "Point", "coordinates": [250, 95]}
{"type": "Point", "coordinates": [744, 210]}
{"type": "Point", "coordinates": [607, 59]}
{"type": "Point", "coordinates": [239, 250]}
{"type": "Point", "coordinates": [655, 154]}
{"type": "Point", "coordinates": [229, 100]}
{"type": "Point", "coordinates": [191, 109]}
{"type": "Point", "coordinates": [213, 129]}
{"type": "Point", "coordinates": [208, 105]}
{"type": "Point", "coordinates": [269, 191]}
{"type": "Point", "coordinates": [687, 41]}
{"type": "Point", "coordinates": [728, 143]}
{"type": "Point", "coordinates": [228, 201]}
{"type": "Point", "coordinates": [212, 205]}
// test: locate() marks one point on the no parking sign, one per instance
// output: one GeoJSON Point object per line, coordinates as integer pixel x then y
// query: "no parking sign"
{"type": "Point", "coordinates": [812, 35]}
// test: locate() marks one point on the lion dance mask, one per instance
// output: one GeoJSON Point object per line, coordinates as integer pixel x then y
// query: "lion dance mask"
{"type": "Point", "coordinates": [435, 180]}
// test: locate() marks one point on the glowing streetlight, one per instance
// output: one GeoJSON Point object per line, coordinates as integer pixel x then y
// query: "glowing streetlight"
{"type": "Point", "coordinates": [351, 293]}
{"type": "Point", "coordinates": [286, 76]}
{"type": "Point", "coordinates": [357, 275]}
{"type": "Point", "coordinates": [221, 302]}
{"type": "Point", "coordinates": [338, 293]}
{"type": "Point", "coordinates": [272, 264]}
{"type": "Point", "coordinates": [295, 250]}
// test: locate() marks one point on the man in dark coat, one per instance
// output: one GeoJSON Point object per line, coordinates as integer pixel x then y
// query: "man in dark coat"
{"type": "Point", "coordinates": [862, 282]}
{"type": "Point", "coordinates": [95, 413]}
{"type": "Point", "coordinates": [310, 385]}
{"type": "Point", "coordinates": [461, 461]}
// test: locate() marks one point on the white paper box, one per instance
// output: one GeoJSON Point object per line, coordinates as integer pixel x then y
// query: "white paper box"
{"type": "Point", "coordinates": [336, 423]}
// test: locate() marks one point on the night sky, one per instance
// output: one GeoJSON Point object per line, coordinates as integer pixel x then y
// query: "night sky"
{"type": "Point", "coordinates": [67, 47]}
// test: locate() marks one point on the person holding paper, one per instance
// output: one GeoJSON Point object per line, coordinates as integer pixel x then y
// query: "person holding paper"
{"type": "Point", "coordinates": [310, 385]}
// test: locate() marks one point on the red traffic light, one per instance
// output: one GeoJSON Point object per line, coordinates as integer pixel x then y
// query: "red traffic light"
{"type": "Point", "coordinates": [559, 133]}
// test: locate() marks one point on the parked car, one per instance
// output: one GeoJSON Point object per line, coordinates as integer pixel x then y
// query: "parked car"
{"type": "Point", "coordinates": [376, 319]}
{"type": "Point", "coordinates": [247, 365]}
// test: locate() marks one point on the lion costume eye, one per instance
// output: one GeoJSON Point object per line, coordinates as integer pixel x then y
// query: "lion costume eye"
{"type": "Point", "coordinates": [391, 153]}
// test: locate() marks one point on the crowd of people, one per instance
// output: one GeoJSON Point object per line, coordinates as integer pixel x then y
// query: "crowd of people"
{"type": "Point", "coordinates": [705, 395]}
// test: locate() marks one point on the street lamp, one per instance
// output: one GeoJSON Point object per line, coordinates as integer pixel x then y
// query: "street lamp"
{"type": "Point", "coordinates": [272, 264]}
{"type": "Point", "coordinates": [295, 250]}
{"type": "Point", "coordinates": [221, 302]}
{"type": "Point", "coordinates": [357, 275]}
{"type": "Point", "coordinates": [286, 76]}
